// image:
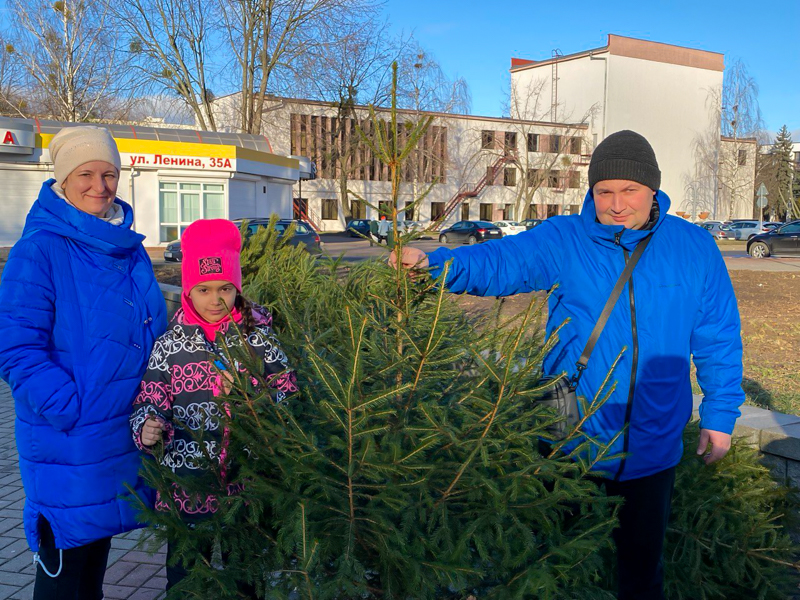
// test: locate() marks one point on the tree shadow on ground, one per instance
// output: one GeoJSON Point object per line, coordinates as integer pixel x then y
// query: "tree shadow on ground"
{"type": "Point", "coordinates": [757, 394]}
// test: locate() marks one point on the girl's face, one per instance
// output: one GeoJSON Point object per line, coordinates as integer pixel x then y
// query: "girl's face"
{"type": "Point", "coordinates": [92, 187]}
{"type": "Point", "coordinates": [213, 299]}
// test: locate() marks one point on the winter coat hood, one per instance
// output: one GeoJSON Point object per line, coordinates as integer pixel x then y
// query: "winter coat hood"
{"type": "Point", "coordinates": [52, 213]}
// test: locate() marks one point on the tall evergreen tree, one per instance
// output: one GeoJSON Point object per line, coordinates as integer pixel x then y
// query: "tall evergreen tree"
{"type": "Point", "coordinates": [784, 174]}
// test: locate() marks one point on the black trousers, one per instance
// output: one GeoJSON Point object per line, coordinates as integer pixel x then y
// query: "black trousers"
{"type": "Point", "coordinates": [178, 572]}
{"type": "Point", "coordinates": [82, 569]}
{"type": "Point", "coordinates": [639, 539]}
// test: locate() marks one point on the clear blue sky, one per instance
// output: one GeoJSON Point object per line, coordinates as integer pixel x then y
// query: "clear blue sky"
{"type": "Point", "coordinates": [475, 39]}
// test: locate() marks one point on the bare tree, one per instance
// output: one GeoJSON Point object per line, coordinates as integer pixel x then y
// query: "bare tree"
{"type": "Point", "coordinates": [172, 41]}
{"type": "Point", "coordinates": [68, 59]}
{"type": "Point", "coordinates": [423, 85]}
{"type": "Point", "coordinates": [349, 70]}
{"type": "Point", "coordinates": [546, 162]}
{"type": "Point", "coordinates": [12, 95]}
{"type": "Point", "coordinates": [269, 39]}
{"type": "Point", "coordinates": [725, 167]}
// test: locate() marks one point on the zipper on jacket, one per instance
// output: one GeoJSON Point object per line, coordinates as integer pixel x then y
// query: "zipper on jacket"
{"type": "Point", "coordinates": [634, 366]}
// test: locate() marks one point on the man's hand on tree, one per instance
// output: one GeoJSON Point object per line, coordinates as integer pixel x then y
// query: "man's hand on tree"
{"type": "Point", "coordinates": [412, 258]}
{"type": "Point", "coordinates": [720, 444]}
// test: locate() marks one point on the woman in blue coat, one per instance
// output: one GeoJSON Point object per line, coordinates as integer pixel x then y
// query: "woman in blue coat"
{"type": "Point", "coordinates": [79, 312]}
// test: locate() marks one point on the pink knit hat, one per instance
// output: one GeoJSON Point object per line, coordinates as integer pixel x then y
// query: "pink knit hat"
{"type": "Point", "coordinates": [211, 250]}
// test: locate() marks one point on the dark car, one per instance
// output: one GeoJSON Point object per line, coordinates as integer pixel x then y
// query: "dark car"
{"type": "Point", "coordinates": [531, 223]}
{"type": "Point", "coordinates": [784, 241]}
{"type": "Point", "coordinates": [303, 234]}
{"type": "Point", "coordinates": [358, 227]}
{"type": "Point", "coordinates": [470, 232]}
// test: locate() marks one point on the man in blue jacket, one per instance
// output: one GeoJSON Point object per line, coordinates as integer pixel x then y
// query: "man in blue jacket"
{"type": "Point", "coordinates": [679, 305]}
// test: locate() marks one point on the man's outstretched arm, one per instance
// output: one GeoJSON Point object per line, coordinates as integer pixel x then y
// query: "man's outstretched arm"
{"type": "Point", "coordinates": [520, 263]}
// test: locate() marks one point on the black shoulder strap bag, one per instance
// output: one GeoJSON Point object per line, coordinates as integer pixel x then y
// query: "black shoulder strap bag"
{"type": "Point", "coordinates": [562, 396]}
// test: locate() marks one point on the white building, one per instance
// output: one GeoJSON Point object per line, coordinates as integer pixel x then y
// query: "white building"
{"type": "Point", "coordinates": [171, 177]}
{"type": "Point", "coordinates": [667, 93]}
{"type": "Point", "coordinates": [476, 167]}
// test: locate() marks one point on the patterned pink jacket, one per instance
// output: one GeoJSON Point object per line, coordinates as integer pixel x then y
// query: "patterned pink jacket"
{"type": "Point", "coordinates": [180, 388]}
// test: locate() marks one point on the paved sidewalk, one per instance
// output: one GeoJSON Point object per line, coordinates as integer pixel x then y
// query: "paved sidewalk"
{"type": "Point", "coordinates": [132, 574]}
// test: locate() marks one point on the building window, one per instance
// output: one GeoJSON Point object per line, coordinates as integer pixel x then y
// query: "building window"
{"type": "Point", "coordinates": [553, 178]}
{"type": "Point", "coordinates": [359, 209]}
{"type": "Point", "coordinates": [409, 212]}
{"type": "Point", "coordinates": [510, 141]}
{"type": "Point", "coordinates": [552, 210]}
{"type": "Point", "coordinates": [465, 211]}
{"type": "Point", "coordinates": [574, 209]}
{"type": "Point", "coordinates": [486, 211]}
{"type": "Point", "coordinates": [487, 139]}
{"type": "Point", "coordinates": [575, 145]}
{"type": "Point", "coordinates": [534, 177]}
{"type": "Point", "coordinates": [533, 213]}
{"type": "Point", "coordinates": [180, 204]}
{"type": "Point", "coordinates": [555, 143]}
{"type": "Point", "coordinates": [490, 175]}
{"type": "Point", "coordinates": [384, 209]}
{"type": "Point", "coordinates": [533, 142]}
{"type": "Point", "coordinates": [510, 176]}
{"type": "Point", "coordinates": [437, 210]}
{"type": "Point", "coordinates": [330, 209]}
{"type": "Point", "coordinates": [742, 157]}
{"type": "Point", "coordinates": [574, 179]}
{"type": "Point", "coordinates": [508, 212]}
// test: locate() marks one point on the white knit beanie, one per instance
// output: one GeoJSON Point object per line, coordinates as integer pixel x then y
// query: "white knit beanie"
{"type": "Point", "coordinates": [74, 146]}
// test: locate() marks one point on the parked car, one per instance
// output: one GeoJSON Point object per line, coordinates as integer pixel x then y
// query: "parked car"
{"type": "Point", "coordinates": [783, 241]}
{"type": "Point", "coordinates": [510, 227]}
{"type": "Point", "coordinates": [531, 223]}
{"type": "Point", "coordinates": [303, 234]}
{"type": "Point", "coordinates": [406, 226]}
{"type": "Point", "coordinates": [470, 232]}
{"type": "Point", "coordinates": [718, 230]}
{"type": "Point", "coordinates": [744, 230]}
{"type": "Point", "coordinates": [358, 226]}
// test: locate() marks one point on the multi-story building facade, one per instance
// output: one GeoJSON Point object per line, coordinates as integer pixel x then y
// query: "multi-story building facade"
{"type": "Point", "coordinates": [667, 93]}
{"type": "Point", "coordinates": [534, 164]}
{"type": "Point", "coordinates": [467, 167]}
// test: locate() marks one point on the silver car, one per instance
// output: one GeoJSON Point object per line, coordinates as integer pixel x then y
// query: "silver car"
{"type": "Point", "coordinates": [718, 230]}
{"type": "Point", "coordinates": [744, 230]}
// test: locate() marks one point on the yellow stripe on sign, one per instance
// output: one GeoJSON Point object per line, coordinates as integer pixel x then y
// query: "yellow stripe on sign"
{"type": "Point", "coordinates": [132, 146]}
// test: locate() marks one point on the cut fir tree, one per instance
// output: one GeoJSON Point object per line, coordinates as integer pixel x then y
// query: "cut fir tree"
{"type": "Point", "coordinates": [400, 470]}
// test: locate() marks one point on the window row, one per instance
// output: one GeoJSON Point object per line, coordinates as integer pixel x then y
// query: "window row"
{"type": "Point", "coordinates": [487, 211]}
{"type": "Point", "coordinates": [337, 148]}
{"type": "Point", "coordinates": [549, 178]}
{"type": "Point", "coordinates": [536, 142]}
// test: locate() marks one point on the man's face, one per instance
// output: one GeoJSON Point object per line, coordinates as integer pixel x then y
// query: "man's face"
{"type": "Point", "coordinates": [622, 202]}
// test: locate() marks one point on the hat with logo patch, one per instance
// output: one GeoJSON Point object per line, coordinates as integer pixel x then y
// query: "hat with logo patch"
{"type": "Point", "coordinates": [211, 249]}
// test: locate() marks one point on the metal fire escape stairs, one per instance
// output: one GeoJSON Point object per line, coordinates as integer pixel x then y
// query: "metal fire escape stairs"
{"type": "Point", "coordinates": [471, 190]}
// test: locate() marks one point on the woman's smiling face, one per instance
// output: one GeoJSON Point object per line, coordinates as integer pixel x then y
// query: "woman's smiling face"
{"type": "Point", "coordinates": [92, 187]}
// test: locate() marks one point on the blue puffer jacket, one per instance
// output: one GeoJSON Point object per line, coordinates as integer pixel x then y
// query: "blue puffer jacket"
{"type": "Point", "coordinates": [80, 310]}
{"type": "Point", "coordinates": [680, 305]}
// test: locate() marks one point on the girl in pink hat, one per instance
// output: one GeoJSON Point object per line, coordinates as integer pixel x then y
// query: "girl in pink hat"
{"type": "Point", "coordinates": [177, 398]}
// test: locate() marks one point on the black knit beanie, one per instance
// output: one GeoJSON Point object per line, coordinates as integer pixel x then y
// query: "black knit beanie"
{"type": "Point", "coordinates": [625, 155]}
